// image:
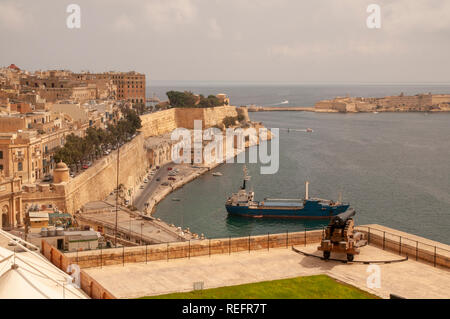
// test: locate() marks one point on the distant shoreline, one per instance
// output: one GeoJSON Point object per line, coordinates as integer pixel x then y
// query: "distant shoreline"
{"type": "Point", "coordinates": [313, 109]}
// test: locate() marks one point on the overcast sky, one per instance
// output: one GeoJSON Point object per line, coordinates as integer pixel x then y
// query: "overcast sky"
{"type": "Point", "coordinates": [234, 40]}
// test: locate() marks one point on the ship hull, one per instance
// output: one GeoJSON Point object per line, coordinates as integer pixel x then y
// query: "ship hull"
{"type": "Point", "coordinates": [283, 212]}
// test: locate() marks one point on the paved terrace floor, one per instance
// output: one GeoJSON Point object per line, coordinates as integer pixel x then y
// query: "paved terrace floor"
{"type": "Point", "coordinates": [409, 279]}
{"type": "Point", "coordinates": [151, 230]}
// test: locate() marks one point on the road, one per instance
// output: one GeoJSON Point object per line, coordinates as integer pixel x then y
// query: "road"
{"type": "Point", "coordinates": [151, 186]}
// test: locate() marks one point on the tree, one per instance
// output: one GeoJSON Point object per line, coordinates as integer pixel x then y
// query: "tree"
{"type": "Point", "coordinates": [210, 101]}
{"type": "Point", "coordinates": [229, 121]}
{"type": "Point", "coordinates": [77, 149]}
{"type": "Point", "coordinates": [181, 99]}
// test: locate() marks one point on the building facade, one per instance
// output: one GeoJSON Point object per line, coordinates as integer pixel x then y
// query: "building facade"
{"type": "Point", "coordinates": [10, 202]}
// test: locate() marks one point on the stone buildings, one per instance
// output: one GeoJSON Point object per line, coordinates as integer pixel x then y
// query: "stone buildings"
{"type": "Point", "coordinates": [10, 202]}
{"type": "Point", "coordinates": [130, 85]}
{"type": "Point", "coordinates": [38, 111]}
{"type": "Point", "coordinates": [419, 102]}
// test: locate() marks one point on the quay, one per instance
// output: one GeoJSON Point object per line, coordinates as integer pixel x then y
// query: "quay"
{"type": "Point", "coordinates": [133, 228]}
{"type": "Point", "coordinates": [281, 108]}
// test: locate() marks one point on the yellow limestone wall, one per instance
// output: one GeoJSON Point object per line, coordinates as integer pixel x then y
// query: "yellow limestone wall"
{"type": "Point", "coordinates": [166, 121]}
{"type": "Point", "coordinates": [99, 180]}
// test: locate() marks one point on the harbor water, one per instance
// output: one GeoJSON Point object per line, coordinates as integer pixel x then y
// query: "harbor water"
{"type": "Point", "coordinates": [393, 168]}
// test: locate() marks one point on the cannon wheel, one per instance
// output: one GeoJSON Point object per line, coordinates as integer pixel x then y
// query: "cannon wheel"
{"type": "Point", "coordinates": [326, 255]}
{"type": "Point", "coordinates": [350, 257]}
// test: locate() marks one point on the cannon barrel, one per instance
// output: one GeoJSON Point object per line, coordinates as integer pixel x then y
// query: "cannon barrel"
{"type": "Point", "coordinates": [342, 218]}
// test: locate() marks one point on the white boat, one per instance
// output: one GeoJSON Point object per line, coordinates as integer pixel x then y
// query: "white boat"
{"type": "Point", "coordinates": [285, 102]}
{"type": "Point", "coordinates": [217, 174]}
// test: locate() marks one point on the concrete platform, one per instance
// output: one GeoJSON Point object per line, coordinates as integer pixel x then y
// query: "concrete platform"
{"type": "Point", "coordinates": [409, 279]}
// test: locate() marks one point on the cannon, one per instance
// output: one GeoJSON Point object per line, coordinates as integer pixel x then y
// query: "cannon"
{"type": "Point", "coordinates": [340, 236]}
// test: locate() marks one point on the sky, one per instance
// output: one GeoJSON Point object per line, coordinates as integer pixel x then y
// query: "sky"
{"type": "Point", "coordinates": [234, 40]}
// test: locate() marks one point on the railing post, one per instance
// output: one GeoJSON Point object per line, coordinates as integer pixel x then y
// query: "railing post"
{"type": "Point", "coordinates": [189, 251]}
{"type": "Point", "coordinates": [417, 249]}
{"type": "Point", "coordinates": [229, 245]}
{"type": "Point", "coordinates": [287, 238]}
{"type": "Point", "coordinates": [146, 260]}
{"type": "Point", "coordinates": [400, 246]}
{"type": "Point", "coordinates": [434, 256]}
{"type": "Point", "coordinates": [249, 244]}
{"type": "Point", "coordinates": [368, 235]}
{"type": "Point", "coordinates": [123, 256]}
{"type": "Point", "coordinates": [384, 240]}
{"type": "Point", "coordinates": [305, 236]}
{"type": "Point", "coordinates": [268, 241]}
{"type": "Point", "coordinates": [167, 251]}
{"type": "Point", "coordinates": [210, 247]}
{"type": "Point", "coordinates": [101, 257]}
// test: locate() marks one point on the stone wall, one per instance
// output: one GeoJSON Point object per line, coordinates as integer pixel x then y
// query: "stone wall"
{"type": "Point", "coordinates": [188, 249]}
{"type": "Point", "coordinates": [158, 123]}
{"type": "Point", "coordinates": [43, 194]}
{"type": "Point", "coordinates": [99, 180]}
{"type": "Point", "coordinates": [404, 244]}
{"type": "Point", "coordinates": [166, 121]}
{"type": "Point", "coordinates": [90, 286]}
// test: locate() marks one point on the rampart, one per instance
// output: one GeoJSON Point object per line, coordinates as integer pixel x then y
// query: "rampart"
{"type": "Point", "coordinates": [99, 180]}
{"type": "Point", "coordinates": [163, 122]}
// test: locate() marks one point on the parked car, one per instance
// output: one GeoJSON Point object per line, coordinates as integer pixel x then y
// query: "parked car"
{"type": "Point", "coordinates": [145, 180]}
{"type": "Point", "coordinates": [165, 184]}
{"type": "Point", "coordinates": [169, 168]}
{"type": "Point", "coordinates": [172, 179]}
{"type": "Point", "coordinates": [158, 179]}
{"type": "Point", "coordinates": [141, 187]}
{"type": "Point", "coordinates": [85, 166]}
{"type": "Point", "coordinates": [48, 178]}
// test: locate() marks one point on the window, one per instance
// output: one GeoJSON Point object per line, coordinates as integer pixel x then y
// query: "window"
{"type": "Point", "coordinates": [1, 154]}
{"type": "Point", "coordinates": [1, 167]}
{"type": "Point", "coordinates": [20, 166]}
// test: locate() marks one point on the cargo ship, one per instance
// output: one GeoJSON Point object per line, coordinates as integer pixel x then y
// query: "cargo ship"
{"type": "Point", "coordinates": [243, 203]}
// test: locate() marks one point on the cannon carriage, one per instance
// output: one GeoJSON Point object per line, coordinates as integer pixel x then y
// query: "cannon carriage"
{"type": "Point", "coordinates": [341, 237]}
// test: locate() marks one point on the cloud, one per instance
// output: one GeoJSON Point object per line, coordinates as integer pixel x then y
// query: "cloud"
{"type": "Point", "coordinates": [12, 16]}
{"type": "Point", "coordinates": [332, 49]}
{"type": "Point", "coordinates": [165, 15]}
{"type": "Point", "coordinates": [124, 23]}
{"type": "Point", "coordinates": [214, 30]}
{"type": "Point", "coordinates": [405, 16]}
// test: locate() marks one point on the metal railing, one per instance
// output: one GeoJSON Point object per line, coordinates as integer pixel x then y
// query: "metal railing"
{"type": "Point", "coordinates": [405, 246]}
{"type": "Point", "coordinates": [193, 248]}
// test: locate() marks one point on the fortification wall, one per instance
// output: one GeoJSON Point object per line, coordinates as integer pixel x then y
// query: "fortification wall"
{"type": "Point", "coordinates": [99, 180]}
{"type": "Point", "coordinates": [158, 123]}
{"type": "Point", "coordinates": [215, 116]}
{"type": "Point", "coordinates": [166, 121]}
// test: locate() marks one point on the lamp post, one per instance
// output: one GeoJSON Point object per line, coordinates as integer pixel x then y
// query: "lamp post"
{"type": "Point", "coordinates": [117, 192]}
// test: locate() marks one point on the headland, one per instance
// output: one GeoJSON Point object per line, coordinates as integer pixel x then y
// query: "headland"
{"type": "Point", "coordinates": [401, 103]}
